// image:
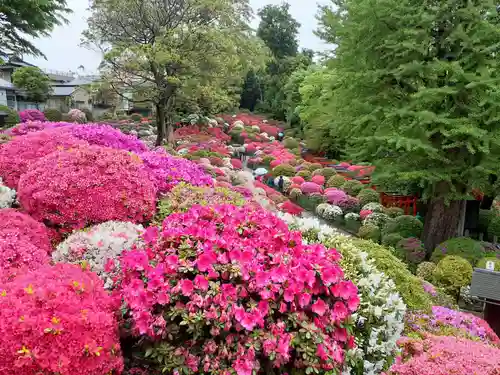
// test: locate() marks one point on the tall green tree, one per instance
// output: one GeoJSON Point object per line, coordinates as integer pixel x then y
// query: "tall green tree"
{"type": "Point", "coordinates": [21, 20]}
{"type": "Point", "coordinates": [163, 51]}
{"type": "Point", "coordinates": [34, 83]}
{"type": "Point", "coordinates": [418, 94]}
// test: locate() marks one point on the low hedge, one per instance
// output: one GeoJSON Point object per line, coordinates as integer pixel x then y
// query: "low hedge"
{"type": "Point", "coordinates": [408, 285]}
{"type": "Point", "coordinates": [12, 118]}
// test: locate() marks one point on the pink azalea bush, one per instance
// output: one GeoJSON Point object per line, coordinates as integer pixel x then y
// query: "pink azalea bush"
{"type": "Point", "coordinates": [320, 180]}
{"type": "Point", "coordinates": [58, 320]}
{"type": "Point", "coordinates": [31, 115]}
{"type": "Point", "coordinates": [17, 155]}
{"type": "Point", "coordinates": [335, 196]}
{"type": "Point", "coordinates": [25, 228]}
{"type": "Point", "coordinates": [35, 126]}
{"type": "Point", "coordinates": [225, 288]}
{"type": "Point", "coordinates": [310, 187]}
{"type": "Point", "coordinates": [71, 189]}
{"type": "Point", "coordinates": [446, 355]}
{"type": "Point", "coordinates": [75, 115]}
{"type": "Point", "coordinates": [167, 171]}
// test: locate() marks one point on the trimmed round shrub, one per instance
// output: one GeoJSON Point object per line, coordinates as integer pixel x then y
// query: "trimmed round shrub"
{"type": "Point", "coordinates": [295, 193]}
{"type": "Point", "coordinates": [336, 181]}
{"type": "Point", "coordinates": [75, 115]}
{"type": "Point", "coordinates": [373, 207]}
{"type": "Point", "coordinates": [327, 173]}
{"type": "Point", "coordinates": [405, 225]}
{"type": "Point", "coordinates": [248, 302]}
{"type": "Point", "coordinates": [376, 218]}
{"type": "Point", "coordinates": [52, 114]}
{"type": "Point", "coordinates": [411, 251]}
{"type": "Point", "coordinates": [482, 262]}
{"type": "Point", "coordinates": [352, 187]}
{"type": "Point", "coordinates": [63, 317]}
{"type": "Point", "coordinates": [25, 228]}
{"type": "Point", "coordinates": [391, 239]}
{"type": "Point", "coordinates": [94, 247]}
{"type": "Point", "coordinates": [351, 204]}
{"type": "Point", "coordinates": [452, 273]}
{"type": "Point", "coordinates": [12, 118]}
{"type": "Point", "coordinates": [366, 196]}
{"type": "Point", "coordinates": [283, 170]}
{"type": "Point", "coordinates": [236, 163]}
{"type": "Point", "coordinates": [17, 155]}
{"type": "Point", "coordinates": [494, 226]}
{"type": "Point", "coordinates": [31, 115]}
{"type": "Point", "coordinates": [298, 180]}
{"type": "Point", "coordinates": [305, 174]}
{"type": "Point", "coordinates": [71, 189]}
{"type": "Point", "coordinates": [313, 167]}
{"type": "Point", "coordinates": [88, 114]}
{"type": "Point", "coordinates": [393, 211]}
{"type": "Point", "coordinates": [336, 196]}
{"type": "Point", "coordinates": [369, 232]}
{"type": "Point", "coordinates": [464, 247]}
{"type": "Point", "coordinates": [320, 180]}
{"type": "Point", "coordinates": [310, 187]}
{"type": "Point", "coordinates": [425, 270]}
{"type": "Point", "coordinates": [290, 143]}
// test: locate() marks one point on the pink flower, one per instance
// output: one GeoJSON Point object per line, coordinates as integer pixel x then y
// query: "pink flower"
{"type": "Point", "coordinates": [321, 353]}
{"type": "Point", "coordinates": [186, 287]}
{"type": "Point", "coordinates": [319, 307]}
{"type": "Point", "coordinates": [304, 299]}
{"type": "Point", "coordinates": [201, 282]}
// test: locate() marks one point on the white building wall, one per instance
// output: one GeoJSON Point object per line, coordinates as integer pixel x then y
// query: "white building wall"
{"type": "Point", "coordinates": [3, 97]}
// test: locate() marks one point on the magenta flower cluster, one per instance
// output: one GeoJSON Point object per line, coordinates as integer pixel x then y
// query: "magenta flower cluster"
{"type": "Point", "coordinates": [74, 188]}
{"type": "Point", "coordinates": [31, 115]}
{"type": "Point", "coordinates": [58, 320]}
{"type": "Point", "coordinates": [167, 171]}
{"type": "Point", "coordinates": [35, 126]}
{"type": "Point", "coordinates": [228, 288]}
{"type": "Point", "coordinates": [446, 355]}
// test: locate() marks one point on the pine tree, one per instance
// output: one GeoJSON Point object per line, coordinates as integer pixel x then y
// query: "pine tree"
{"type": "Point", "coordinates": [418, 95]}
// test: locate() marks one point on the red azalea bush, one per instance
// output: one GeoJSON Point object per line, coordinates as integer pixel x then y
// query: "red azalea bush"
{"type": "Point", "coordinates": [58, 320]}
{"type": "Point", "coordinates": [71, 189]}
{"type": "Point", "coordinates": [320, 180]}
{"type": "Point", "coordinates": [446, 355]}
{"type": "Point", "coordinates": [236, 163]}
{"type": "Point", "coordinates": [20, 152]}
{"type": "Point", "coordinates": [25, 228]}
{"type": "Point", "coordinates": [298, 180]}
{"type": "Point", "coordinates": [291, 208]}
{"type": "Point", "coordinates": [227, 288]}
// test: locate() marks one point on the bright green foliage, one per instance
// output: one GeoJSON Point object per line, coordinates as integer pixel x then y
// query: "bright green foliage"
{"type": "Point", "coordinates": [290, 143]}
{"type": "Point", "coordinates": [327, 173]}
{"type": "Point", "coordinates": [304, 173]}
{"type": "Point", "coordinates": [34, 82]}
{"type": "Point", "coordinates": [494, 226]}
{"type": "Point", "coordinates": [52, 114]}
{"type": "Point", "coordinates": [416, 93]}
{"type": "Point", "coordinates": [369, 232]}
{"type": "Point", "coordinates": [295, 193]}
{"type": "Point", "coordinates": [405, 225]}
{"type": "Point", "coordinates": [180, 54]}
{"type": "Point", "coordinates": [283, 170]}
{"type": "Point", "coordinates": [482, 262]}
{"type": "Point", "coordinates": [408, 285]}
{"type": "Point", "coordinates": [393, 211]}
{"type": "Point", "coordinates": [335, 181]}
{"type": "Point", "coordinates": [88, 114]}
{"type": "Point", "coordinates": [135, 117]}
{"type": "Point", "coordinates": [391, 239]}
{"type": "Point", "coordinates": [368, 196]}
{"type": "Point", "coordinates": [12, 118]}
{"type": "Point", "coordinates": [425, 270]}
{"type": "Point", "coordinates": [313, 166]}
{"type": "Point", "coordinates": [353, 187]}
{"type": "Point", "coordinates": [293, 100]}
{"type": "Point", "coordinates": [451, 273]}
{"type": "Point", "coordinates": [467, 248]}
{"type": "Point", "coordinates": [28, 18]}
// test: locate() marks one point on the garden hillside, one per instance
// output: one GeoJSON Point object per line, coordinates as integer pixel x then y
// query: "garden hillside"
{"type": "Point", "coordinates": [121, 257]}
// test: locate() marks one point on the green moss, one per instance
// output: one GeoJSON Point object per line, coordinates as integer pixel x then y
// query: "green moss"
{"type": "Point", "coordinates": [408, 285]}
{"type": "Point", "coordinates": [464, 247]}
{"type": "Point", "coordinates": [405, 225]}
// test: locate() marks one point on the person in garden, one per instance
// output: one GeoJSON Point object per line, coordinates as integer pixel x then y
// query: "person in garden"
{"type": "Point", "coordinates": [280, 136]}
{"type": "Point", "coordinates": [280, 184]}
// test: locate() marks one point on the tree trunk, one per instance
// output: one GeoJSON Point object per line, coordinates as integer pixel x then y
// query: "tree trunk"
{"type": "Point", "coordinates": [160, 124]}
{"type": "Point", "coordinates": [170, 120]}
{"type": "Point", "coordinates": [441, 222]}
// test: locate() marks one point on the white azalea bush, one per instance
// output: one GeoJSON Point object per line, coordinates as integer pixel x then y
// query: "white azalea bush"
{"type": "Point", "coordinates": [329, 211]}
{"type": "Point", "coordinates": [96, 246]}
{"type": "Point", "coordinates": [373, 207]}
{"type": "Point", "coordinates": [7, 196]}
{"type": "Point", "coordinates": [378, 219]}
{"type": "Point", "coordinates": [379, 319]}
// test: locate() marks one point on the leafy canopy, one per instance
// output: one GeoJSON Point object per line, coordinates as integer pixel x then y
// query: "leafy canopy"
{"type": "Point", "coordinates": [34, 82]}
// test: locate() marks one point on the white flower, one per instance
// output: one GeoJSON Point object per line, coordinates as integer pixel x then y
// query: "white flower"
{"type": "Point", "coordinates": [374, 207]}
{"type": "Point", "coordinates": [351, 216]}
{"type": "Point", "coordinates": [96, 245]}
{"type": "Point", "coordinates": [7, 196]}
{"type": "Point", "coordinates": [376, 218]}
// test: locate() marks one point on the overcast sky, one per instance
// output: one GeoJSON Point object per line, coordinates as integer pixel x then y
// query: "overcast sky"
{"type": "Point", "coordinates": [63, 51]}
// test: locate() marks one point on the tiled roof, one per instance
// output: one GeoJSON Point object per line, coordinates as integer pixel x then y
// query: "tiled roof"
{"type": "Point", "coordinates": [62, 90]}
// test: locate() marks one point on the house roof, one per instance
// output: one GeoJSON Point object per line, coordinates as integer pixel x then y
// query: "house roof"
{"type": "Point", "coordinates": [62, 90]}
{"type": "Point", "coordinates": [6, 84]}
{"type": "Point", "coordinates": [79, 81]}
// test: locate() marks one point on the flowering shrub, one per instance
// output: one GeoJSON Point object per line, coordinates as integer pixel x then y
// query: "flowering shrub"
{"type": "Point", "coordinates": [350, 204]}
{"type": "Point", "coordinates": [58, 320]}
{"type": "Point", "coordinates": [425, 270]}
{"type": "Point", "coordinates": [17, 155]}
{"type": "Point", "coordinates": [236, 163]}
{"type": "Point", "coordinates": [411, 251]}
{"type": "Point", "coordinates": [391, 240]}
{"type": "Point", "coordinates": [320, 180]}
{"type": "Point", "coordinates": [464, 247]}
{"type": "Point", "coordinates": [71, 189]}
{"type": "Point", "coordinates": [373, 207]}
{"type": "Point", "coordinates": [7, 196]}
{"type": "Point", "coordinates": [379, 319]}
{"type": "Point", "coordinates": [75, 115]}
{"type": "Point", "coordinates": [445, 355]}
{"type": "Point", "coordinates": [363, 214]}
{"type": "Point", "coordinates": [182, 197]}
{"type": "Point", "coordinates": [31, 115]}
{"type": "Point", "coordinates": [298, 180]}
{"type": "Point", "coordinates": [167, 171]}
{"type": "Point", "coordinates": [328, 211]}
{"type": "Point", "coordinates": [305, 174]}
{"type": "Point", "coordinates": [283, 170]}
{"type": "Point", "coordinates": [244, 275]}
{"type": "Point", "coordinates": [443, 321]}
{"type": "Point", "coordinates": [35, 126]}
{"type": "Point", "coordinates": [295, 193]}
{"type": "Point", "coordinates": [27, 229]}
{"type": "Point", "coordinates": [95, 246]}
{"type": "Point", "coordinates": [310, 187]}
{"type": "Point", "coordinates": [335, 196]}
{"type": "Point", "coordinates": [376, 218]}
